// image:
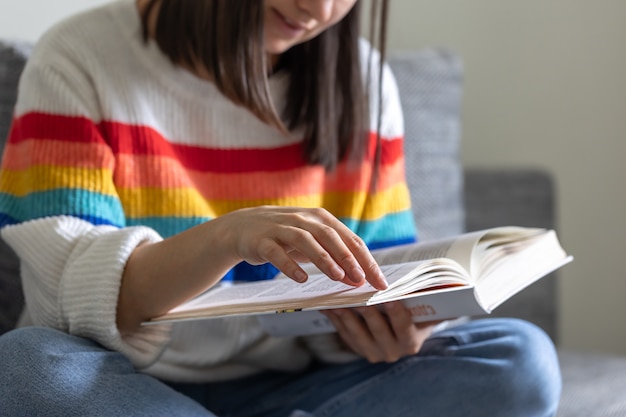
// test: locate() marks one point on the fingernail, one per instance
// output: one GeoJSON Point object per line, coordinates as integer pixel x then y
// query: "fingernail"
{"type": "Point", "coordinates": [357, 275]}
{"type": "Point", "coordinates": [337, 273]}
{"type": "Point", "coordinates": [300, 276]}
{"type": "Point", "coordinates": [382, 278]}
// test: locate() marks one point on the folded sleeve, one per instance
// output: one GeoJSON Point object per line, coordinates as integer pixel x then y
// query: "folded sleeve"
{"type": "Point", "coordinates": [60, 209]}
{"type": "Point", "coordinates": [71, 272]}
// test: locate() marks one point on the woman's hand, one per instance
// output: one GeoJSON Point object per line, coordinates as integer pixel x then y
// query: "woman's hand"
{"type": "Point", "coordinates": [285, 236]}
{"type": "Point", "coordinates": [162, 275]}
{"type": "Point", "coordinates": [377, 336]}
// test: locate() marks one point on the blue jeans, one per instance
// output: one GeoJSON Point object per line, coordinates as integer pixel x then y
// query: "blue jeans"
{"type": "Point", "coordinates": [484, 368]}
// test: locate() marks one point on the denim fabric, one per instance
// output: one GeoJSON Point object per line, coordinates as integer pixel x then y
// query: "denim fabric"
{"type": "Point", "coordinates": [491, 367]}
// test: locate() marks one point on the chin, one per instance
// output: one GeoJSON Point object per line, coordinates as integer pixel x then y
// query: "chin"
{"type": "Point", "coordinates": [277, 49]}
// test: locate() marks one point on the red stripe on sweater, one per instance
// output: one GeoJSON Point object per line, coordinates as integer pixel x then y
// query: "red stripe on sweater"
{"type": "Point", "coordinates": [142, 140]}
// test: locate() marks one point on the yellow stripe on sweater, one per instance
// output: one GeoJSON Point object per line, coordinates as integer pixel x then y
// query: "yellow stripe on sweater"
{"type": "Point", "coordinates": [392, 200]}
{"type": "Point", "coordinates": [42, 178]}
{"type": "Point", "coordinates": [187, 202]}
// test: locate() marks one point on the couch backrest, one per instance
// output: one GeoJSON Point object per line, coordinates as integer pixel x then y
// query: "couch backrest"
{"type": "Point", "coordinates": [12, 60]}
{"type": "Point", "coordinates": [430, 84]}
{"type": "Point", "coordinates": [448, 199]}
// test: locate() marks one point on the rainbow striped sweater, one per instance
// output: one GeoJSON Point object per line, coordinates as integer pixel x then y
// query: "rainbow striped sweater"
{"type": "Point", "coordinates": [112, 146]}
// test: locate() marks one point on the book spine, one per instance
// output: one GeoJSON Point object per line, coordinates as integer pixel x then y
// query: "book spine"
{"type": "Point", "coordinates": [444, 304]}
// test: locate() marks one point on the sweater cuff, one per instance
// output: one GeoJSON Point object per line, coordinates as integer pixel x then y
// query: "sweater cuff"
{"type": "Point", "coordinates": [89, 291]}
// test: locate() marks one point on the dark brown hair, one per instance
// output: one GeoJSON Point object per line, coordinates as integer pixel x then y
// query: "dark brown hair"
{"type": "Point", "coordinates": [326, 97]}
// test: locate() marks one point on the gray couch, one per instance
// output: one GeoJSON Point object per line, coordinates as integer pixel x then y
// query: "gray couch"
{"type": "Point", "coordinates": [447, 199]}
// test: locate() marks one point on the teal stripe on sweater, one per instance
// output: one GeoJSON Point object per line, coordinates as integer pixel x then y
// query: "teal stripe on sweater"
{"type": "Point", "coordinates": [397, 227]}
{"type": "Point", "coordinates": [392, 227]}
{"type": "Point", "coordinates": [82, 203]}
{"type": "Point", "coordinates": [104, 209]}
{"type": "Point", "coordinates": [167, 226]}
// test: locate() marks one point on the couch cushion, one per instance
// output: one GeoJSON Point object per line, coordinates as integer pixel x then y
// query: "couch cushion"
{"type": "Point", "coordinates": [430, 85]}
{"type": "Point", "coordinates": [593, 385]}
{"type": "Point", "coordinates": [12, 60]}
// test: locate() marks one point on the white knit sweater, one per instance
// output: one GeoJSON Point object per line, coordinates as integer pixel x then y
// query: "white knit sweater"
{"type": "Point", "coordinates": [71, 269]}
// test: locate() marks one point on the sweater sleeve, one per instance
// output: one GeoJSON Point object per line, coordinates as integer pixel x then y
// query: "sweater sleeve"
{"type": "Point", "coordinates": [60, 210]}
{"type": "Point", "coordinates": [71, 272]}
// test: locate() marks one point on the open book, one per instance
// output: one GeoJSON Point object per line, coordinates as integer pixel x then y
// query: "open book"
{"type": "Point", "coordinates": [465, 275]}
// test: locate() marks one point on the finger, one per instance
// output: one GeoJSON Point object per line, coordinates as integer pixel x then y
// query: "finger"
{"type": "Point", "coordinates": [273, 253]}
{"type": "Point", "coordinates": [366, 261]}
{"type": "Point", "coordinates": [330, 240]}
{"type": "Point", "coordinates": [383, 334]}
{"type": "Point", "coordinates": [342, 331]}
{"type": "Point", "coordinates": [430, 324]}
{"type": "Point", "coordinates": [408, 335]}
{"type": "Point", "coordinates": [303, 242]}
{"type": "Point", "coordinates": [348, 249]}
{"type": "Point", "coordinates": [361, 253]}
{"type": "Point", "coordinates": [399, 316]}
{"type": "Point", "coordinates": [358, 334]}
{"type": "Point", "coordinates": [296, 255]}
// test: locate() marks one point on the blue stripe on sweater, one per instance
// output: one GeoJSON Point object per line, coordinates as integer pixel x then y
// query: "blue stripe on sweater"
{"type": "Point", "coordinates": [93, 207]}
{"type": "Point", "coordinates": [394, 227]}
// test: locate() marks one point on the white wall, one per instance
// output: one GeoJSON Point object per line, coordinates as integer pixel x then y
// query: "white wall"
{"type": "Point", "coordinates": [545, 86]}
{"type": "Point", "coordinates": [27, 19]}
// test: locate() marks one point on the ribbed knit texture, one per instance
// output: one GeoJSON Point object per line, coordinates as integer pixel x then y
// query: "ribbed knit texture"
{"type": "Point", "coordinates": [112, 145]}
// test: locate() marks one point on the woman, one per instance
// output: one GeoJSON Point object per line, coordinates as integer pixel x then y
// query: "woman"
{"type": "Point", "coordinates": [162, 146]}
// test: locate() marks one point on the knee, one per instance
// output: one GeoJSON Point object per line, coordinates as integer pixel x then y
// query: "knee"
{"type": "Point", "coordinates": [24, 363]}
{"type": "Point", "coordinates": [39, 345]}
{"type": "Point", "coordinates": [25, 346]}
{"type": "Point", "coordinates": [30, 354]}
{"type": "Point", "coordinates": [33, 350]}
{"type": "Point", "coordinates": [41, 360]}
{"type": "Point", "coordinates": [532, 373]}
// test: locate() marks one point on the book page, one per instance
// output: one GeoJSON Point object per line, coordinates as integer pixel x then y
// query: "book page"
{"type": "Point", "coordinates": [500, 242]}
{"type": "Point", "coordinates": [285, 294]}
{"type": "Point", "coordinates": [519, 267]}
{"type": "Point", "coordinates": [467, 249]}
{"type": "Point", "coordinates": [458, 248]}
